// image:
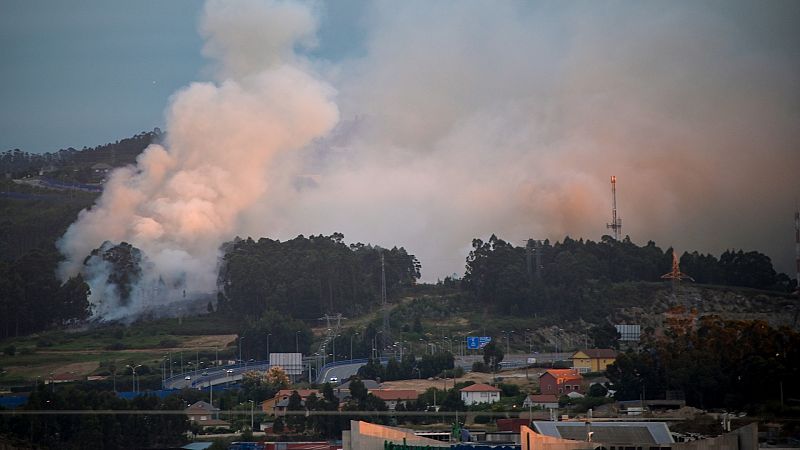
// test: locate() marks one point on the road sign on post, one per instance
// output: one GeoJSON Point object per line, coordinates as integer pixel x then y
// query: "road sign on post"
{"type": "Point", "coordinates": [477, 342]}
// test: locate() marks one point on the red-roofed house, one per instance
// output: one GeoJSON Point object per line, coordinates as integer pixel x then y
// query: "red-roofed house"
{"type": "Point", "coordinates": [479, 393]}
{"type": "Point", "coordinates": [593, 359]}
{"type": "Point", "coordinates": [394, 397]}
{"type": "Point", "coordinates": [560, 382]}
{"type": "Point", "coordinates": [278, 403]}
{"type": "Point", "coordinates": [544, 401]}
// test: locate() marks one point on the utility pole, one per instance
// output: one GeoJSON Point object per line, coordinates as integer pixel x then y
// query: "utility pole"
{"type": "Point", "coordinates": [384, 304]}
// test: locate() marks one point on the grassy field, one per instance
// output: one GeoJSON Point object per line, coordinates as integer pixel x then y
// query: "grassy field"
{"type": "Point", "coordinates": [91, 351]}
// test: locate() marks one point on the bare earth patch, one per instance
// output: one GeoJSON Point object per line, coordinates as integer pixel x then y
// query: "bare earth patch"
{"type": "Point", "coordinates": [211, 341]}
{"type": "Point", "coordinates": [79, 368]}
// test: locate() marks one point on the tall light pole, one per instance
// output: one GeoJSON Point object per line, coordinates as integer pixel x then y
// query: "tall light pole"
{"type": "Point", "coordinates": [334, 348]}
{"type": "Point", "coordinates": [133, 379]}
{"type": "Point", "coordinates": [297, 341]}
{"type": "Point", "coordinates": [268, 335]}
{"type": "Point", "coordinates": [351, 345]}
{"type": "Point", "coordinates": [241, 338]}
{"type": "Point", "coordinates": [164, 371]}
{"type": "Point", "coordinates": [252, 404]}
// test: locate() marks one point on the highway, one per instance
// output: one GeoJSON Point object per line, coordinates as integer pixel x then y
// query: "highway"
{"type": "Point", "coordinates": [341, 370]}
{"type": "Point", "coordinates": [213, 376]}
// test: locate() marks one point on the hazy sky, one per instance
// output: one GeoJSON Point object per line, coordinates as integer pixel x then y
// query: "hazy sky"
{"type": "Point", "coordinates": [89, 72]}
{"type": "Point", "coordinates": [456, 119]}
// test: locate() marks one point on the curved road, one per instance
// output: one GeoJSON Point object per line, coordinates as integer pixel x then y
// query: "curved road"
{"type": "Point", "coordinates": [212, 376]}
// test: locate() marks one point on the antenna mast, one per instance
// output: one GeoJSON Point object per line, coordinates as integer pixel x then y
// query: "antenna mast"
{"type": "Point", "coordinates": [616, 223]}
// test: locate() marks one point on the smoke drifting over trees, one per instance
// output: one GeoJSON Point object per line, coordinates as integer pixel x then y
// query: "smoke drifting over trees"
{"type": "Point", "coordinates": [467, 119]}
{"type": "Point", "coordinates": [464, 119]}
{"type": "Point", "coordinates": [184, 198]}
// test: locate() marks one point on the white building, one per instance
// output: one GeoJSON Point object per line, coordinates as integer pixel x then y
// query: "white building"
{"type": "Point", "coordinates": [479, 393]}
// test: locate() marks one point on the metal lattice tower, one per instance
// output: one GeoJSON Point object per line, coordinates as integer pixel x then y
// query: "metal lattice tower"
{"type": "Point", "coordinates": [616, 222]}
{"type": "Point", "coordinates": [675, 274]}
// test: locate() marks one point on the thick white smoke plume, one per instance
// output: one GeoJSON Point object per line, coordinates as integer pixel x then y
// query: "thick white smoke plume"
{"type": "Point", "coordinates": [185, 197]}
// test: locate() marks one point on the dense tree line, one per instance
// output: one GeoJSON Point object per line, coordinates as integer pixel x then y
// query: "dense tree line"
{"type": "Point", "coordinates": [561, 278]}
{"type": "Point", "coordinates": [284, 333]}
{"type": "Point", "coordinates": [430, 365]}
{"type": "Point", "coordinates": [715, 363]}
{"type": "Point", "coordinates": [96, 431]}
{"type": "Point", "coordinates": [32, 218]}
{"type": "Point", "coordinates": [20, 163]}
{"type": "Point", "coordinates": [32, 299]}
{"type": "Point", "coordinates": [304, 277]}
{"type": "Point", "coordinates": [736, 268]}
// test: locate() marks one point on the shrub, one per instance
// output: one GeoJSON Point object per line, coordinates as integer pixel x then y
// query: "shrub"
{"type": "Point", "coordinates": [482, 419]}
{"type": "Point", "coordinates": [117, 346]}
{"type": "Point", "coordinates": [44, 342]}
{"type": "Point", "coordinates": [11, 350]}
{"type": "Point", "coordinates": [480, 366]}
{"type": "Point", "coordinates": [509, 390]}
{"type": "Point", "coordinates": [169, 343]}
{"type": "Point", "coordinates": [597, 390]}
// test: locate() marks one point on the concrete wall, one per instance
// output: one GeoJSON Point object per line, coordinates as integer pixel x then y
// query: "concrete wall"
{"type": "Point", "coordinates": [531, 440]}
{"type": "Point", "coordinates": [745, 438]}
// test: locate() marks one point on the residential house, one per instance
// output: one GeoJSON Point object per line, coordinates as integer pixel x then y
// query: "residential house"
{"type": "Point", "coordinates": [544, 401]}
{"type": "Point", "coordinates": [394, 397]}
{"type": "Point", "coordinates": [479, 393]}
{"type": "Point", "coordinates": [593, 359]}
{"type": "Point", "coordinates": [205, 415]}
{"type": "Point", "coordinates": [560, 382]}
{"type": "Point", "coordinates": [278, 404]}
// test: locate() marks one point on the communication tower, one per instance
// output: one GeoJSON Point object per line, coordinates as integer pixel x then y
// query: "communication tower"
{"type": "Point", "coordinates": [616, 222]}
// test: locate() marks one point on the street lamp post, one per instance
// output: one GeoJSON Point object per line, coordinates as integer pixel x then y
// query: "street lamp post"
{"type": "Point", "coordinates": [133, 371]}
{"type": "Point", "coordinates": [268, 335]}
{"type": "Point", "coordinates": [241, 338]}
{"type": "Point", "coordinates": [252, 404]}
{"type": "Point", "coordinates": [351, 345]}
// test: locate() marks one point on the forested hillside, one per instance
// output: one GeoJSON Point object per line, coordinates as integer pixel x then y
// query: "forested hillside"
{"type": "Point", "coordinates": [306, 277]}
{"type": "Point", "coordinates": [574, 278]}
{"type": "Point", "coordinates": [71, 163]}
